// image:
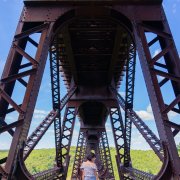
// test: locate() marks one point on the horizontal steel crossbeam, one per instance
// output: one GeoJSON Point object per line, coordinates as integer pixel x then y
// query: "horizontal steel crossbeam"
{"type": "Point", "coordinates": [48, 174]}
{"type": "Point", "coordinates": [137, 174]}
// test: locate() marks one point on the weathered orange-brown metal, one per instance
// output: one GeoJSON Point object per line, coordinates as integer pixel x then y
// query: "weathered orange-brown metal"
{"type": "Point", "coordinates": [92, 44]}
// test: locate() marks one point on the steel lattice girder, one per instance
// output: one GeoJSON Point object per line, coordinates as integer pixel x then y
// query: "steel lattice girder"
{"type": "Point", "coordinates": [130, 78]}
{"type": "Point", "coordinates": [55, 85]}
{"type": "Point", "coordinates": [55, 60]}
{"type": "Point", "coordinates": [79, 155]}
{"type": "Point", "coordinates": [118, 133]}
{"type": "Point", "coordinates": [36, 135]}
{"type": "Point", "coordinates": [106, 155]}
{"type": "Point", "coordinates": [149, 136]}
{"type": "Point", "coordinates": [172, 65]}
{"type": "Point", "coordinates": [67, 132]}
{"type": "Point", "coordinates": [9, 77]}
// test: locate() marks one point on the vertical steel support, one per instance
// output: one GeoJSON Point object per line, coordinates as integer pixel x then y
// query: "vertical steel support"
{"type": "Point", "coordinates": [12, 74]}
{"type": "Point", "coordinates": [130, 78]}
{"type": "Point", "coordinates": [102, 154]}
{"type": "Point", "coordinates": [106, 155]}
{"type": "Point", "coordinates": [169, 72]}
{"type": "Point", "coordinates": [67, 132]}
{"type": "Point", "coordinates": [79, 155]}
{"type": "Point", "coordinates": [118, 134]}
{"type": "Point", "coordinates": [55, 86]}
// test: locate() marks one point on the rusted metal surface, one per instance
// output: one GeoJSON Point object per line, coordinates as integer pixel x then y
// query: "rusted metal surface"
{"type": "Point", "coordinates": [170, 71]}
{"type": "Point", "coordinates": [137, 174]}
{"type": "Point", "coordinates": [36, 136]}
{"type": "Point", "coordinates": [149, 136]}
{"type": "Point", "coordinates": [67, 132]}
{"type": "Point", "coordinates": [79, 155]}
{"type": "Point", "coordinates": [129, 97]}
{"type": "Point", "coordinates": [48, 174]}
{"type": "Point", "coordinates": [89, 49]}
{"type": "Point", "coordinates": [106, 156]}
{"type": "Point", "coordinates": [119, 136]}
{"type": "Point", "coordinates": [30, 96]}
{"type": "Point", "coordinates": [104, 2]}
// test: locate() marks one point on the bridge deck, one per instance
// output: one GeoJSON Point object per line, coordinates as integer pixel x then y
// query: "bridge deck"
{"type": "Point", "coordinates": [136, 2]}
{"type": "Point", "coordinates": [89, 52]}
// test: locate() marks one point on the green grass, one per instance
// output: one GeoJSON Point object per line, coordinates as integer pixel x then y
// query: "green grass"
{"type": "Point", "coordinates": [43, 159]}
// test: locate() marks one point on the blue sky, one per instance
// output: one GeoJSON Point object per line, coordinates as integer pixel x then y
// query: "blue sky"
{"type": "Point", "coordinates": [9, 14]}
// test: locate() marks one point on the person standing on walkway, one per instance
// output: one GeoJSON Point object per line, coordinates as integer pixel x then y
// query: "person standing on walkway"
{"type": "Point", "coordinates": [89, 168]}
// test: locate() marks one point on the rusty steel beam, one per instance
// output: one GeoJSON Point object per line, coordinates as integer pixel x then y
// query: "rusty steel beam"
{"type": "Point", "coordinates": [171, 72]}
{"type": "Point", "coordinates": [55, 87]}
{"type": "Point", "coordinates": [149, 136]}
{"type": "Point", "coordinates": [36, 136]}
{"type": "Point", "coordinates": [137, 174]}
{"type": "Point", "coordinates": [48, 174]}
{"type": "Point", "coordinates": [102, 157]}
{"type": "Point", "coordinates": [69, 51]}
{"type": "Point", "coordinates": [67, 132]}
{"type": "Point", "coordinates": [18, 76]}
{"type": "Point", "coordinates": [3, 174]}
{"type": "Point", "coordinates": [99, 2]}
{"type": "Point", "coordinates": [119, 136]}
{"type": "Point", "coordinates": [11, 101]}
{"type": "Point", "coordinates": [31, 31]}
{"type": "Point", "coordinates": [4, 124]}
{"type": "Point", "coordinates": [27, 56]}
{"type": "Point", "coordinates": [117, 47]}
{"type": "Point", "coordinates": [130, 81]}
{"type": "Point", "coordinates": [28, 102]}
{"type": "Point", "coordinates": [79, 155]}
{"type": "Point", "coordinates": [8, 127]}
{"type": "Point", "coordinates": [3, 160]}
{"type": "Point", "coordinates": [106, 155]}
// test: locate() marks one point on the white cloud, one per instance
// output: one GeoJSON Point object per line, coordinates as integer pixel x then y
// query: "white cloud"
{"type": "Point", "coordinates": [138, 142]}
{"type": "Point", "coordinates": [156, 52]}
{"type": "Point", "coordinates": [123, 94]}
{"type": "Point", "coordinates": [50, 131]}
{"type": "Point", "coordinates": [40, 114]}
{"type": "Point", "coordinates": [108, 129]}
{"type": "Point", "coordinates": [174, 8]}
{"type": "Point", "coordinates": [39, 111]}
{"type": "Point", "coordinates": [133, 126]}
{"type": "Point", "coordinates": [146, 114]}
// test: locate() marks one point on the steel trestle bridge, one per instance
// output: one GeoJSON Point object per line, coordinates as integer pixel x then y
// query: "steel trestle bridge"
{"type": "Point", "coordinates": [92, 45]}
